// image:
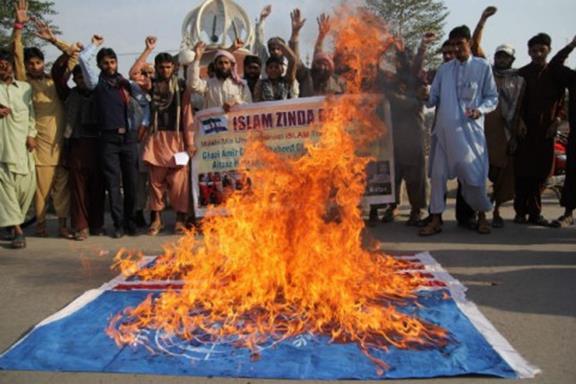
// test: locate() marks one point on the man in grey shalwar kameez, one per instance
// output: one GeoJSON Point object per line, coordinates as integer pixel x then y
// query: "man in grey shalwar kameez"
{"type": "Point", "coordinates": [463, 92]}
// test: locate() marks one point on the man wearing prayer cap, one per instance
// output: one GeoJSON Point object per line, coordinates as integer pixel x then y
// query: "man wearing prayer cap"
{"type": "Point", "coordinates": [503, 127]}
{"type": "Point", "coordinates": [226, 88]}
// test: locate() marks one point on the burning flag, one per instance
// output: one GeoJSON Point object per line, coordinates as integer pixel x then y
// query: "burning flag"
{"type": "Point", "coordinates": [287, 258]}
{"type": "Point", "coordinates": [282, 278]}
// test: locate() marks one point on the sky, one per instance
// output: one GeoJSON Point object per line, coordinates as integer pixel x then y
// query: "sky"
{"type": "Point", "coordinates": [125, 23]}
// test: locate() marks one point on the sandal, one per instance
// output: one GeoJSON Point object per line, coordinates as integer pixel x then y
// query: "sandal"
{"type": "Point", "coordinates": [7, 234]}
{"type": "Point", "coordinates": [41, 232]}
{"type": "Point", "coordinates": [389, 215]}
{"type": "Point", "coordinates": [64, 233]}
{"type": "Point", "coordinates": [372, 218]}
{"type": "Point", "coordinates": [155, 228]}
{"type": "Point", "coordinates": [81, 235]}
{"type": "Point", "coordinates": [484, 227]}
{"type": "Point", "coordinates": [179, 228]}
{"type": "Point", "coordinates": [414, 219]}
{"type": "Point", "coordinates": [497, 222]}
{"type": "Point", "coordinates": [19, 242]}
{"type": "Point", "coordinates": [431, 229]}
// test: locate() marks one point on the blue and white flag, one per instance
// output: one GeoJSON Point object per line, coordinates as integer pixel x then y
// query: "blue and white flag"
{"type": "Point", "coordinates": [74, 340]}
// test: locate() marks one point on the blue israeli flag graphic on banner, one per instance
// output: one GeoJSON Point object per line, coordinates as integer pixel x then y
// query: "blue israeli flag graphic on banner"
{"type": "Point", "coordinates": [213, 125]}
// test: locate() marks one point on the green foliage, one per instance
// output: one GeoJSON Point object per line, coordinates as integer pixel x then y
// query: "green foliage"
{"type": "Point", "coordinates": [411, 19]}
{"type": "Point", "coordinates": [36, 8]}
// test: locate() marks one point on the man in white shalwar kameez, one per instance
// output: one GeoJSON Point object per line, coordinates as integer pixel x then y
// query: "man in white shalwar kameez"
{"type": "Point", "coordinates": [463, 92]}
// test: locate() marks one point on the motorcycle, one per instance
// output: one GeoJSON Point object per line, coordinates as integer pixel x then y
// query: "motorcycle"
{"type": "Point", "coordinates": [556, 180]}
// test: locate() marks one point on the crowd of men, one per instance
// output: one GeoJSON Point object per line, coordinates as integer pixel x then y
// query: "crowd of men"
{"type": "Point", "coordinates": [109, 135]}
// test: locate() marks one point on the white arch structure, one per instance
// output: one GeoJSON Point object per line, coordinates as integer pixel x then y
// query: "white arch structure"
{"type": "Point", "coordinates": [217, 23]}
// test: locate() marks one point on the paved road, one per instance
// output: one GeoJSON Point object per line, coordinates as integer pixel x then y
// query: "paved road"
{"type": "Point", "coordinates": [523, 279]}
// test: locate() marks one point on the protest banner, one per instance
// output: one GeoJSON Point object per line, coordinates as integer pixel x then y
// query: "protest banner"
{"type": "Point", "coordinates": [286, 127]}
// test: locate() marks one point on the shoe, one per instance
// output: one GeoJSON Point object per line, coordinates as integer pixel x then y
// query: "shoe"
{"type": "Point", "coordinates": [64, 233]}
{"type": "Point", "coordinates": [432, 228]}
{"type": "Point", "coordinates": [563, 221]}
{"type": "Point", "coordinates": [155, 228]}
{"type": "Point", "coordinates": [372, 218]}
{"type": "Point", "coordinates": [97, 232]}
{"type": "Point", "coordinates": [483, 226]}
{"type": "Point", "coordinates": [389, 215]}
{"type": "Point", "coordinates": [497, 222]}
{"type": "Point", "coordinates": [7, 234]}
{"type": "Point", "coordinates": [81, 235]}
{"type": "Point", "coordinates": [118, 233]}
{"type": "Point", "coordinates": [414, 219]}
{"type": "Point", "coordinates": [520, 219]}
{"type": "Point", "coordinates": [179, 228]}
{"type": "Point", "coordinates": [19, 242]}
{"type": "Point", "coordinates": [424, 222]}
{"type": "Point", "coordinates": [41, 230]}
{"type": "Point", "coordinates": [131, 230]}
{"type": "Point", "coordinates": [539, 221]}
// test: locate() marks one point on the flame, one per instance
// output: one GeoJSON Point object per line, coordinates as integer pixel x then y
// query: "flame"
{"type": "Point", "coordinates": [288, 259]}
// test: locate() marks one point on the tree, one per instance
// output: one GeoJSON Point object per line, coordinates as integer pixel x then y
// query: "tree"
{"type": "Point", "coordinates": [39, 9]}
{"type": "Point", "coordinates": [410, 19]}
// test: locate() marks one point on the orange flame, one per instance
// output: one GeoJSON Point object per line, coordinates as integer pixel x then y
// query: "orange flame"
{"type": "Point", "coordinates": [288, 259]}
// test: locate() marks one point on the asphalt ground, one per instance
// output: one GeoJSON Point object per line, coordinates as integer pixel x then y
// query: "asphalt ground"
{"type": "Point", "coordinates": [523, 279]}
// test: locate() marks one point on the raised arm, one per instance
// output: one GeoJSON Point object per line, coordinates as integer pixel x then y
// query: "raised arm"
{"type": "Point", "coordinates": [61, 75]}
{"type": "Point", "coordinates": [194, 82]}
{"type": "Point", "coordinates": [44, 32]}
{"type": "Point", "coordinates": [236, 45]}
{"type": "Point", "coordinates": [292, 62]}
{"type": "Point", "coordinates": [562, 55]}
{"type": "Point", "coordinates": [21, 18]}
{"type": "Point", "coordinates": [476, 42]}
{"type": "Point", "coordinates": [260, 48]}
{"type": "Point", "coordinates": [402, 62]}
{"type": "Point", "coordinates": [87, 61]}
{"type": "Point", "coordinates": [71, 51]}
{"type": "Point", "coordinates": [135, 73]}
{"type": "Point", "coordinates": [297, 24]}
{"type": "Point", "coordinates": [418, 63]}
{"type": "Point", "coordinates": [323, 30]}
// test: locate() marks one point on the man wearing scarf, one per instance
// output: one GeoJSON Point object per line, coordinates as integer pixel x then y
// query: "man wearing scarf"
{"type": "Point", "coordinates": [323, 79]}
{"type": "Point", "coordinates": [226, 88]}
{"type": "Point", "coordinates": [545, 91]}
{"type": "Point", "coordinates": [170, 132]}
{"type": "Point", "coordinates": [122, 108]}
{"type": "Point", "coordinates": [322, 75]}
